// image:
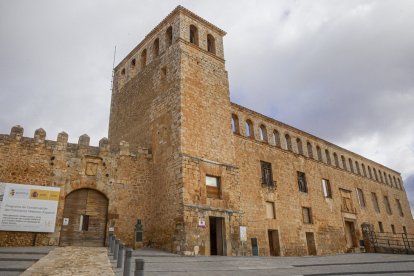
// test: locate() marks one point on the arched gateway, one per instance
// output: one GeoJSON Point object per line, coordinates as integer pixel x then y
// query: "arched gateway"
{"type": "Point", "coordinates": [84, 218]}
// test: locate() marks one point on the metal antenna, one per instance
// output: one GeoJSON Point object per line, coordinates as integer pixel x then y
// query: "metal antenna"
{"type": "Point", "coordinates": [113, 71]}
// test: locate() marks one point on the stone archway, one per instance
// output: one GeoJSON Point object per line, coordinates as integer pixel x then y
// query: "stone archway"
{"type": "Point", "coordinates": [84, 218]}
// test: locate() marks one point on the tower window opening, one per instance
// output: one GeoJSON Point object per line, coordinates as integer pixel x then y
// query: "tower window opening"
{"type": "Point", "coordinates": [211, 44]}
{"type": "Point", "coordinates": [193, 35]}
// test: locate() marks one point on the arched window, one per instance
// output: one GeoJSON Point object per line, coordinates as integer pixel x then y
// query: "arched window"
{"type": "Point", "coordinates": [364, 172]}
{"type": "Point", "coordinates": [193, 35]}
{"type": "Point", "coordinates": [123, 71]}
{"type": "Point", "coordinates": [336, 160]}
{"type": "Point", "coordinates": [235, 123]}
{"type": "Point", "coordinates": [351, 166]}
{"type": "Point", "coordinates": [369, 172]}
{"type": "Point", "coordinates": [299, 144]}
{"type": "Point", "coordinates": [357, 167]}
{"type": "Point", "coordinates": [211, 44]}
{"type": "Point", "coordinates": [319, 153]}
{"type": "Point", "coordinates": [343, 162]}
{"type": "Point", "coordinates": [288, 142]}
{"type": "Point", "coordinates": [263, 133]}
{"type": "Point", "coordinates": [380, 176]}
{"type": "Point", "coordinates": [156, 48]}
{"type": "Point", "coordinates": [143, 58]}
{"type": "Point", "coordinates": [133, 63]}
{"type": "Point", "coordinates": [395, 181]}
{"type": "Point", "coordinates": [385, 178]}
{"type": "Point", "coordinates": [399, 184]}
{"type": "Point", "coordinates": [168, 37]}
{"type": "Point", "coordinates": [249, 129]}
{"type": "Point", "coordinates": [328, 157]}
{"type": "Point", "coordinates": [276, 138]}
{"type": "Point", "coordinates": [390, 180]}
{"type": "Point", "coordinates": [375, 174]}
{"type": "Point", "coordinates": [310, 150]}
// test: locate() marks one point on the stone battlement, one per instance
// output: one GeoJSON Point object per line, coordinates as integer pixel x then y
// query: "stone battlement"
{"type": "Point", "coordinates": [62, 144]}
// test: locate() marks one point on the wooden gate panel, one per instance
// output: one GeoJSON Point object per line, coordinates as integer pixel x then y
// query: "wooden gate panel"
{"type": "Point", "coordinates": [86, 210]}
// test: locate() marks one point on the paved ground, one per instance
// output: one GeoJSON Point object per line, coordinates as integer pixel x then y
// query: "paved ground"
{"type": "Point", "coordinates": [15, 260]}
{"type": "Point", "coordinates": [73, 260]}
{"type": "Point", "coordinates": [160, 263]}
{"type": "Point", "coordinates": [95, 261]}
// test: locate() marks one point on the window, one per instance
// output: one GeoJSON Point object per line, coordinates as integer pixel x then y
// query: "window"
{"type": "Point", "coordinates": [213, 186]}
{"type": "Point", "coordinates": [343, 162]}
{"type": "Point", "coordinates": [267, 177]}
{"type": "Point", "coordinates": [375, 202]}
{"type": "Point", "coordinates": [381, 228]}
{"type": "Point", "coordinates": [361, 198]}
{"type": "Point", "coordinates": [400, 211]}
{"type": "Point", "coordinates": [404, 230]}
{"type": "Point", "coordinates": [123, 71]}
{"type": "Point", "coordinates": [390, 180]}
{"type": "Point", "coordinates": [193, 35]}
{"type": "Point", "coordinates": [307, 215]}
{"type": "Point", "coordinates": [288, 142]}
{"type": "Point", "coordinates": [270, 210]}
{"type": "Point", "coordinates": [299, 144]}
{"type": "Point", "coordinates": [387, 205]}
{"type": "Point", "coordinates": [143, 58]}
{"type": "Point", "coordinates": [395, 181]}
{"type": "Point", "coordinates": [393, 229]}
{"type": "Point", "coordinates": [263, 133]}
{"type": "Point", "coordinates": [385, 178]}
{"type": "Point", "coordinates": [133, 62]}
{"type": "Point", "coordinates": [276, 138]}
{"type": "Point", "coordinates": [156, 48]}
{"type": "Point", "coordinates": [358, 171]}
{"type": "Point", "coordinates": [319, 153]}
{"type": "Point", "coordinates": [84, 223]}
{"type": "Point", "coordinates": [369, 172]}
{"type": "Point", "coordinates": [211, 44]}
{"type": "Point", "coordinates": [326, 187]}
{"type": "Point", "coordinates": [336, 160]}
{"type": "Point", "coordinates": [168, 37]}
{"type": "Point", "coordinates": [310, 150]}
{"type": "Point", "coordinates": [328, 157]}
{"type": "Point", "coordinates": [303, 187]}
{"type": "Point", "coordinates": [249, 129]}
{"type": "Point", "coordinates": [364, 172]}
{"type": "Point", "coordinates": [351, 166]}
{"type": "Point", "coordinates": [235, 123]}
{"type": "Point", "coordinates": [380, 176]}
{"type": "Point", "coordinates": [375, 174]}
{"type": "Point", "coordinates": [399, 184]}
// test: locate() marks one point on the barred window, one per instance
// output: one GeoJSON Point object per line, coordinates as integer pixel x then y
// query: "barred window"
{"type": "Point", "coordinates": [307, 215]}
{"type": "Point", "coordinates": [361, 198]}
{"type": "Point", "coordinates": [399, 207]}
{"type": "Point", "coordinates": [267, 177]}
{"type": "Point", "coordinates": [303, 187]}
{"type": "Point", "coordinates": [375, 202]}
{"type": "Point", "coordinates": [387, 205]}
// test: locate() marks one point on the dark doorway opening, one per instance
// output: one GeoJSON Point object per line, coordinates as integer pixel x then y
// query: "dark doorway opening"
{"type": "Point", "coordinates": [350, 234]}
{"type": "Point", "coordinates": [310, 240]}
{"type": "Point", "coordinates": [274, 246]}
{"type": "Point", "coordinates": [217, 236]}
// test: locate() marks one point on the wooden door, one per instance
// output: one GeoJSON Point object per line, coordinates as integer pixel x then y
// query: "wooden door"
{"type": "Point", "coordinates": [310, 240]}
{"type": "Point", "coordinates": [274, 246]}
{"type": "Point", "coordinates": [84, 218]}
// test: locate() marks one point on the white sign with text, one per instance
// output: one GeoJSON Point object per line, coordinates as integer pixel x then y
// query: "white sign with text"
{"type": "Point", "coordinates": [28, 208]}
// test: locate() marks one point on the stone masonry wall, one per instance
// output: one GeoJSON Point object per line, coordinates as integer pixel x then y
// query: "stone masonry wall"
{"type": "Point", "coordinates": [122, 176]}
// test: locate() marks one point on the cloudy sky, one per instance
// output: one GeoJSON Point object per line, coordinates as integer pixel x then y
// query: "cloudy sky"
{"type": "Point", "coordinates": [341, 70]}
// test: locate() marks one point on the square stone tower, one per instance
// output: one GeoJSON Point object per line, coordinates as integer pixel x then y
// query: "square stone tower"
{"type": "Point", "coordinates": [171, 95]}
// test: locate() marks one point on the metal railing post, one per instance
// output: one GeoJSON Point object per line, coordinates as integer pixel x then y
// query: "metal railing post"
{"type": "Point", "coordinates": [116, 249]}
{"type": "Point", "coordinates": [127, 261]}
{"type": "Point", "coordinates": [120, 255]}
{"type": "Point", "coordinates": [111, 244]}
{"type": "Point", "coordinates": [139, 267]}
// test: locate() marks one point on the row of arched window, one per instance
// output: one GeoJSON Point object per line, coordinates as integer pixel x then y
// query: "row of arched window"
{"type": "Point", "coordinates": [155, 49]}
{"type": "Point", "coordinates": [338, 161]}
{"type": "Point", "coordinates": [193, 38]}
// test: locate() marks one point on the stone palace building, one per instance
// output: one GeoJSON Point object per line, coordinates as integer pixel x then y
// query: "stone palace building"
{"type": "Point", "coordinates": [202, 174]}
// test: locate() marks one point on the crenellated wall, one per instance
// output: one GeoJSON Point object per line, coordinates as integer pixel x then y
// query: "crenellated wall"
{"type": "Point", "coordinates": [122, 175]}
